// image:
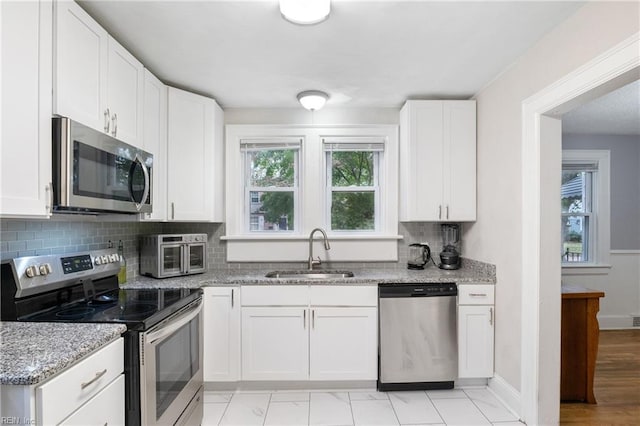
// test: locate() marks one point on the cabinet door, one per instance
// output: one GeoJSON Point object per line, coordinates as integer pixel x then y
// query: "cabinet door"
{"type": "Point", "coordinates": [106, 408]}
{"type": "Point", "coordinates": [125, 92]}
{"type": "Point", "coordinates": [275, 343]}
{"type": "Point", "coordinates": [193, 154]}
{"type": "Point", "coordinates": [459, 124]}
{"type": "Point", "coordinates": [343, 344]}
{"type": "Point", "coordinates": [421, 161]}
{"type": "Point", "coordinates": [155, 142]}
{"type": "Point", "coordinates": [25, 134]}
{"type": "Point", "coordinates": [80, 66]}
{"type": "Point", "coordinates": [475, 341]}
{"type": "Point", "coordinates": [221, 334]}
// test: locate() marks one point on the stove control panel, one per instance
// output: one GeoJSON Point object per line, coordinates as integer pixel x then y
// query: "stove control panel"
{"type": "Point", "coordinates": [37, 274]}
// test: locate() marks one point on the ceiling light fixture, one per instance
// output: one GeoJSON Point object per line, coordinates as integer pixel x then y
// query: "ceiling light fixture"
{"type": "Point", "coordinates": [305, 12]}
{"type": "Point", "coordinates": [312, 100]}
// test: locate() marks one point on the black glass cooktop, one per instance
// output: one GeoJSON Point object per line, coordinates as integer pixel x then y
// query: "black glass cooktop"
{"type": "Point", "coordinates": [137, 308]}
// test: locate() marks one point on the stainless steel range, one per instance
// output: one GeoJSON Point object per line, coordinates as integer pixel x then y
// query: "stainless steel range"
{"type": "Point", "coordinates": [163, 341]}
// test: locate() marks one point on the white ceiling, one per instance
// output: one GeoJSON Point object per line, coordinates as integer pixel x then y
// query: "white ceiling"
{"type": "Point", "coordinates": [616, 113]}
{"type": "Point", "coordinates": [367, 54]}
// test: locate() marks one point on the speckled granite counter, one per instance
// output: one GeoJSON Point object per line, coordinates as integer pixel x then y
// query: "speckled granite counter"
{"type": "Point", "coordinates": [31, 352]}
{"type": "Point", "coordinates": [471, 272]}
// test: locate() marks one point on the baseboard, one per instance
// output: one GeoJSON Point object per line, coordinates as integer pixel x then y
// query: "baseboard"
{"type": "Point", "coordinates": [369, 385]}
{"type": "Point", "coordinates": [615, 322]}
{"type": "Point", "coordinates": [507, 394]}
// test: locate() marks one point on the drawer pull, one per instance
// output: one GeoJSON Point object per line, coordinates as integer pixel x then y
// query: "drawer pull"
{"type": "Point", "coordinates": [478, 294]}
{"type": "Point", "coordinates": [97, 376]}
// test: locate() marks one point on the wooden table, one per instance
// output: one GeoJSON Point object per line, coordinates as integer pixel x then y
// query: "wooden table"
{"type": "Point", "coordinates": [579, 347]}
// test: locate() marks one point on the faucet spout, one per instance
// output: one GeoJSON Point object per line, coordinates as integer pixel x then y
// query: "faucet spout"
{"type": "Point", "coordinates": [317, 261]}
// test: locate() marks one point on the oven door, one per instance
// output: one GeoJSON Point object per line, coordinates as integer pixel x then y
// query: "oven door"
{"type": "Point", "coordinates": [172, 259]}
{"type": "Point", "coordinates": [196, 258]}
{"type": "Point", "coordinates": [171, 366]}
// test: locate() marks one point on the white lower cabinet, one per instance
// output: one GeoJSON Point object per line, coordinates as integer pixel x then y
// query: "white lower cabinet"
{"type": "Point", "coordinates": [275, 343]}
{"type": "Point", "coordinates": [221, 334]}
{"type": "Point", "coordinates": [475, 331]}
{"type": "Point", "coordinates": [90, 392]}
{"type": "Point", "coordinates": [343, 343]}
{"type": "Point", "coordinates": [309, 333]}
{"type": "Point", "coordinates": [106, 408]}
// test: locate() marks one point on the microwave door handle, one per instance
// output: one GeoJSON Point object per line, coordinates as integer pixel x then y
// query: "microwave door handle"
{"type": "Point", "coordinates": [147, 182]}
{"type": "Point", "coordinates": [175, 324]}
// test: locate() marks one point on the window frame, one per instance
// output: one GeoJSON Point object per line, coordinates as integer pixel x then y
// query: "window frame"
{"type": "Point", "coordinates": [347, 246]}
{"type": "Point", "coordinates": [599, 245]}
{"type": "Point", "coordinates": [255, 145]}
{"type": "Point", "coordinates": [359, 144]}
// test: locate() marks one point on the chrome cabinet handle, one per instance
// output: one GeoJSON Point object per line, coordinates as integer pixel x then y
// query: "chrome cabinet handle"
{"type": "Point", "coordinates": [173, 210]}
{"type": "Point", "coordinates": [439, 212]}
{"type": "Point", "coordinates": [107, 116]}
{"type": "Point", "coordinates": [447, 212]}
{"type": "Point", "coordinates": [232, 298]}
{"type": "Point", "coordinates": [313, 318]}
{"type": "Point", "coordinates": [478, 294]}
{"type": "Point", "coordinates": [97, 376]}
{"type": "Point", "coordinates": [490, 316]}
{"type": "Point", "coordinates": [304, 319]}
{"type": "Point", "coordinates": [114, 119]}
{"type": "Point", "coordinates": [49, 190]}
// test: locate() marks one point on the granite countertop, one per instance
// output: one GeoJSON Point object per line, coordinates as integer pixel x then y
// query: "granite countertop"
{"type": "Point", "coordinates": [471, 272]}
{"type": "Point", "coordinates": [31, 352]}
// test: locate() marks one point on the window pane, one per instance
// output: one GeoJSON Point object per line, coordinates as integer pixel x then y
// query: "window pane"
{"type": "Point", "coordinates": [575, 192]}
{"type": "Point", "coordinates": [352, 168]}
{"type": "Point", "coordinates": [575, 239]}
{"type": "Point", "coordinates": [272, 168]}
{"type": "Point", "coordinates": [353, 210]}
{"type": "Point", "coordinates": [272, 212]}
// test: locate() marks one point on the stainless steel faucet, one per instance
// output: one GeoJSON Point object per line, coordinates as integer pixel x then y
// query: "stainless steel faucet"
{"type": "Point", "coordinates": [317, 261]}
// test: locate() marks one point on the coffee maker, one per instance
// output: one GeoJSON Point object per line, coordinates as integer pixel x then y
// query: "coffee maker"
{"type": "Point", "coordinates": [450, 254]}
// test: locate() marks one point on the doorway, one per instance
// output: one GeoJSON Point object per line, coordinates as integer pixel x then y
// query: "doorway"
{"type": "Point", "coordinates": [541, 144]}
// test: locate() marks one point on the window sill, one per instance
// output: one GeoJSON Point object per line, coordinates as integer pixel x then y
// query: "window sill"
{"type": "Point", "coordinates": [586, 269]}
{"type": "Point", "coordinates": [295, 248]}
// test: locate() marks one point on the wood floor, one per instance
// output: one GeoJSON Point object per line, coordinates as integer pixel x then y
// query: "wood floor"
{"type": "Point", "coordinates": [616, 386]}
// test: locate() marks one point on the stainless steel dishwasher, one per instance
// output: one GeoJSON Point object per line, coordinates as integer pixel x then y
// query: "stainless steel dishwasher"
{"type": "Point", "coordinates": [418, 344]}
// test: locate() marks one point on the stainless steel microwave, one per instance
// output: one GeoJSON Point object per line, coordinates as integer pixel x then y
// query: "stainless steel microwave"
{"type": "Point", "coordinates": [171, 255]}
{"type": "Point", "coordinates": [94, 172]}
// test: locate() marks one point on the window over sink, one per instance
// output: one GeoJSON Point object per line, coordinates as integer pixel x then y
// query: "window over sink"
{"type": "Point", "coordinates": [284, 181]}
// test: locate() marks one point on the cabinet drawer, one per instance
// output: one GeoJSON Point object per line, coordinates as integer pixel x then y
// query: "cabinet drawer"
{"type": "Point", "coordinates": [275, 295]}
{"type": "Point", "coordinates": [63, 394]}
{"type": "Point", "coordinates": [106, 408]}
{"type": "Point", "coordinates": [476, 294]}
{"type": "Point", "coordinates": [339, 295]}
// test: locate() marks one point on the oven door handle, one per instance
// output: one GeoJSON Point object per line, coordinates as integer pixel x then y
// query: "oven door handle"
{"type": "Point", "coordinates": [175, 324]}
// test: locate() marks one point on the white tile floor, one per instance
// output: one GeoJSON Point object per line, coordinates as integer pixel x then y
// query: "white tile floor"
{"type": "Point", "coordinates": [452, 407]}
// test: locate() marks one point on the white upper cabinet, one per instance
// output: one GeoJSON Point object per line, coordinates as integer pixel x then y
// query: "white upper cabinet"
{"type": "Point", "coordinates": [25, 122]}
{"type": "Point", "coordinates": [96, 82]}
{"type": "Point", "coordinates": [195, 158]}
{"type": "Point", "coordinates": [155, 142]}
{"type": "Point", "coordinates": [438, 161]}
{"type": "Point", "coordinates": [125, 94]}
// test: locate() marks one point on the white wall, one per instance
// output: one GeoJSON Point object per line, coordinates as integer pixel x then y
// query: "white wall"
{"type": "Point", "coordinates": [621, 286]}
{"type": "Point", "coordinates": [496, 236]}
{"type": "Point", "coordinates": [333, 116]}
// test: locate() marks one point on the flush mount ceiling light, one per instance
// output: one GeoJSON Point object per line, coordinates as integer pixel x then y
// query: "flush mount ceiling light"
{"type": "Point", "coordinates": [312, 100]}
{"type": "Point", "coordinates": [305, 12]}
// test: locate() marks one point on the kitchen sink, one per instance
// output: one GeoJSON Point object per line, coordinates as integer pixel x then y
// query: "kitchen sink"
{"type": "Point", "coordinates": [306, 274]}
